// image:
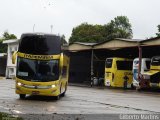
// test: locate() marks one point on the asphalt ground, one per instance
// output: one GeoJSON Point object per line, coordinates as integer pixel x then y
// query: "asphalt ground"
{"type": "Point", "coordinates": [80, 102]}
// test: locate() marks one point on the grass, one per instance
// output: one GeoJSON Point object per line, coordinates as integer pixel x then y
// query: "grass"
{"type": "Point", "coordinates": [5, 116]}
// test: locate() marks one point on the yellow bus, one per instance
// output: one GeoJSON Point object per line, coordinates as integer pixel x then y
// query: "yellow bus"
{"type": "Point", "coordinates": [153, 75]}
{"type": "Point", "coordinates": [42, 68]}
{"type": "Point", "coordinates": [118, 72]}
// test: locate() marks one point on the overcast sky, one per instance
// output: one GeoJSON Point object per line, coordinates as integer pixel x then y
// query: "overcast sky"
{"type": "Point", "coordinates": [19, 16]}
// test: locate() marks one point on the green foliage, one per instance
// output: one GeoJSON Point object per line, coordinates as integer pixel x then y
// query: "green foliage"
{"type": "Point", "coordinates": [117, 28]}
{"type": "Point", "coordinates": [158, 34]}
{"type": "Point", "coordinates": [87, 33]}
{"type": "Point", "coordinates": [6, 36]}
{"type": "Point", "coordinates": [63, 40]}
{"type": "Point", "coordinates": [5, 116]}
{"type": "Point", "coordinates": [3, 47]}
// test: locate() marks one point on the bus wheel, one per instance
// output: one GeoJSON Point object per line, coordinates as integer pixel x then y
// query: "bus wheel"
{"type": "Point", "coordinates": [132, 87]}
{"type": "Point", "coordinates": [57, 97]}
{"type": "Point", "coordinates": [63, 94]}
{"type": "Point", "coordinates": [22, 96]}
{"type": "Point", "coordinates": [138, 88]}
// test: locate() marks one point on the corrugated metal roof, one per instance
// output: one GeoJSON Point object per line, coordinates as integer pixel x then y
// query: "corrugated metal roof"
{"type": "Point", "coordinates": [108, 44]}
{"type": "Point", "coordinates": [150, 39]}
{"type": "Point", "coordinates": [130, 40]}
{"type": "Point", "coordinates": [84, 43]}
{"type": "Point", "coordinates": [3, 54]}
{"type": "Point", "coordinates": [10, 41]}
{"type": "Point", "coordinates": [120, 39]}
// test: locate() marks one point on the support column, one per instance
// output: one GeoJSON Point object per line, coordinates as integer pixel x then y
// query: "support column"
{"type": "Point", "coordinates": [140, 62]}
{"type": "Point", "coordinates": [92, 73]}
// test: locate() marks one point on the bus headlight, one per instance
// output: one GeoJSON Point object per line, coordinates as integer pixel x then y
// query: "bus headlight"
{"type": "Point", "coordinates": [19, 84]}
{"type": "Point", "coordinates": [53, 86]}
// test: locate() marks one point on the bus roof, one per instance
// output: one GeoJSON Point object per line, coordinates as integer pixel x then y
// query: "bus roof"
{"type": "Point", "coordinates": [40, 44]}
{"type": "Point", "coordinates": [39, 33]}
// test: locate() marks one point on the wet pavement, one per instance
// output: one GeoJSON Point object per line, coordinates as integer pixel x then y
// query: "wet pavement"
{"type": "Point", "coordinates": [80, 100]}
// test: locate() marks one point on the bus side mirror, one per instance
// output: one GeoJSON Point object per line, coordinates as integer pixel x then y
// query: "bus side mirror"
{"type": "Point", "coordinates": [14, 57]}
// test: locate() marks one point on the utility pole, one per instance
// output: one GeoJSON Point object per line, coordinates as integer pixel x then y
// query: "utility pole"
{"type": "Point", "coordinates": [33, 27]}
{"type": "Point", "coordinates": [51, 28]}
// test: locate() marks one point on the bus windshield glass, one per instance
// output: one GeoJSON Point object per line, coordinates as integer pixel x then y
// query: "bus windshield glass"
{"type": "Point", "coordinates": [109, 63]}
{"type": "Point", "coordinates": [124, 65]}
{"type": "Point", "coordinates": [40, 44]}
{"type": "Point", "coordinates": [155, 61]}
{"type": "Point", "coordinates": [37, 70]}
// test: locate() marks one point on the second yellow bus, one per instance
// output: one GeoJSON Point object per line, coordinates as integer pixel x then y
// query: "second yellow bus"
{"type": "Point", "coordinates": [118, 72]}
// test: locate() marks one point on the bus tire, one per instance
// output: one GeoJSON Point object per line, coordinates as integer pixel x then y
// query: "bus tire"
{"type": "Point", "coordinates": [132, 87]}
{"type": "Point", "coordinates": [57, 97]}
{"type": "Point", "coordinates": [63, 94]}
{"type": "Point", "coordinates": [138, 89]}
{"type": "Point", "coordinates": [22, 96]}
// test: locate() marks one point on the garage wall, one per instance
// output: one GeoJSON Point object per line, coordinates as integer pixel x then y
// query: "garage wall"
{"type": "Point", "coordinates": [3, 63]}
{"type": "Point", "coordinates": [80, 63]}
{"type": "Point", "coordinates": [150, 51]}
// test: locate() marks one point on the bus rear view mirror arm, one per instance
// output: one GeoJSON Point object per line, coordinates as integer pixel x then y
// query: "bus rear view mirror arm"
{"type": "Point", "coordinates": [14, 57]}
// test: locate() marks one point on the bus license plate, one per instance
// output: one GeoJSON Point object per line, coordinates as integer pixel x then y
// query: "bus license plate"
{"type": "Point", "coordinates": [35, 92]}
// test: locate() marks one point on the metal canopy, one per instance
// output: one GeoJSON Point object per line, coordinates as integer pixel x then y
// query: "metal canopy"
{"type": "Point", "coordinates": [78, 46]}
{"type": "Point", "coordinates": [151, 42]}
{"type": "Point", "coordinates": [114, 44]}
{"type": "Point", "coordinates": [109, 44]}
{"type": "Point", "coordinates": [117, 44]}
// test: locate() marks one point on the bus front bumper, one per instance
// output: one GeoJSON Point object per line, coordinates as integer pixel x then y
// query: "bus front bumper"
{"type": "Point", "coordinates": [35, 91]}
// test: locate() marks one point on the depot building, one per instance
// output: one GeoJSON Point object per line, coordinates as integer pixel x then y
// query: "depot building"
{"type": "Point", "coordinates": [88, 59]}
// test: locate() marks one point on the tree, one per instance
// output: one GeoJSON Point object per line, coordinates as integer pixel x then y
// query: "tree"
{"type": "Point", "coordinates": [63, 40]}
{"type": "Point", "coordinates": [87, 33]}
{"type": "Point", "coordinates": [158, 34]}
{"type": "Point", "coordinates": [119, 28]}
{"type": "Point", "coordinates": [6, 36]}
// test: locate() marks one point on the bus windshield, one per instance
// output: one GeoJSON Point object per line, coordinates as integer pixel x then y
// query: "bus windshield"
{"type": "Point", "coordinates": [40, 44]}
{"type": "Point", "coordinates": [109, 63]}
{"type": "Point", "coordinates": [37, 70]}
{"type": "Point", "coordinates": [155, 61]}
